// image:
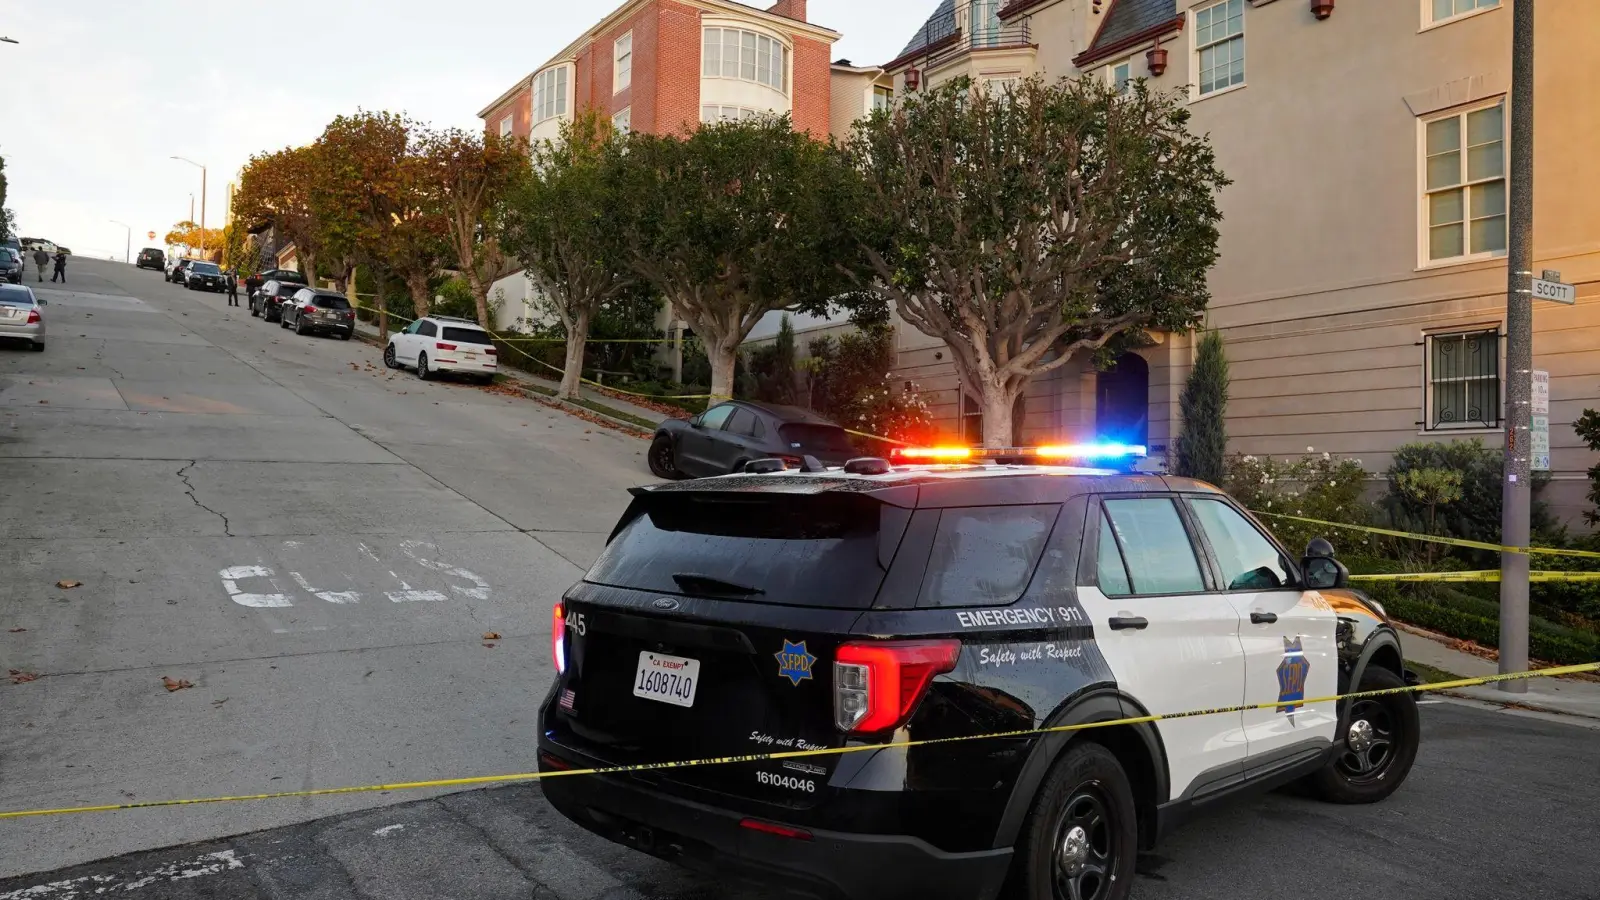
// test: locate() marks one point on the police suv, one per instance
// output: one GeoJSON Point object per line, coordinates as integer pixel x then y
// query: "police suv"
{"type": "Point", "coordinates": [957, 602]}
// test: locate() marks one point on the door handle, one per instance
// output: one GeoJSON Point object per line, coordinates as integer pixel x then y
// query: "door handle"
{"type": "Point", "coordinates": [1137, 623]}
{"type": "Point", "coordinates": [1263, 618]}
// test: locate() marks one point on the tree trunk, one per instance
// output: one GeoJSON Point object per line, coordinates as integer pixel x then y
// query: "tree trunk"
{"type": "Point", "coordinates": [998, 406]}
{"type": "Point", "coordinates": [383, 314]}
{"type": "Point", "coordinates": [309, 260]}
{"type": "Point", "coordinates": [724, 353]}
{"type": "Point", "coordinates": [572, 374]}
{"type": "Point", "coordinates": [480, 297]}
{"type": "Point", "coordinates": [417, 286]}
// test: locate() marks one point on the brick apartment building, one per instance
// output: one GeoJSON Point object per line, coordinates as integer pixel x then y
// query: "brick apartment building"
{"type": "Point", "coordinates": [665, 66]}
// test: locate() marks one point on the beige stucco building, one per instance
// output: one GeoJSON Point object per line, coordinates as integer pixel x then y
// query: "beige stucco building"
{"type": "Point", "coordinates": [1362, 281]}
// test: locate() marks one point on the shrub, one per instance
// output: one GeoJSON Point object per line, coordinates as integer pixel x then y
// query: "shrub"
{"type": "Point", "coordinates": [1486, 631]}
{"type": "Point", "coordinates": [1588, 428]}
{"type": "Point", "coordinates": [1204, 442]}
{"type": "Point", "coordinates": [770, 371]}
{"type": "Point", "coordinates": [1476, 515]}
{"type": "Point", "coordinates": [1314, 487]}
{"type": "Point", "coordinates": [846, 380]}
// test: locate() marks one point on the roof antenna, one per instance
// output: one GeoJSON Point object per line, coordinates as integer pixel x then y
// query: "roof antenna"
{"type": "Point", "coordinates": [812, 464]}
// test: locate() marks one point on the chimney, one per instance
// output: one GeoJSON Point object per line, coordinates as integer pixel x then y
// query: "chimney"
{"type": "Point", "coordinates": [790, 9]}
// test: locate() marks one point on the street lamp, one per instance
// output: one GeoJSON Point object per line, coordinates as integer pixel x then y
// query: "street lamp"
{"type": "Point", "coordinates": [127, 251]}
{"type": "Point", "coordinates": [202, 201]}
{"type": "Point", "coordinates": [6, 40]}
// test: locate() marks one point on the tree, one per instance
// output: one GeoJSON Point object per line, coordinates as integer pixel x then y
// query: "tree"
{"type": "Point", "coordinates": [372, 194]}
{"type": "Point", "coordinates": [192, 237]}
{"type": "Point", "coordinates": [5, 214]}
{"type": "Point", "coordinates": [735, 220]}
{"type": "Point", "coordinates": [559, 222]}
{"type": "Point", "coordinates": [276, 187]}
{"type": "Point", "coordinates": [1203, 444]}
{"type": "Point", "coordinates": [772, 369]}
{"type": "Point", "coordinates": [1026, 227]}
{"type": "Point", "coordinates": [1588, 429]}
{"type": "Point", "coordinates": [472, 172]}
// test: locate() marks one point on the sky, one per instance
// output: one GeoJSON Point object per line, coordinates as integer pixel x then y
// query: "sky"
{"type": "Point", "coordinates": [99, 94]}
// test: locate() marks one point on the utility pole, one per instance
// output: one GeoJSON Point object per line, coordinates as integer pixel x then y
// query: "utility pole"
{"type": "Point", "coordinates": [202, 202]}
{"type": "Point", "coordinates": [1518, 497]}
{"type": "Point", "coordinates": [127, 251]}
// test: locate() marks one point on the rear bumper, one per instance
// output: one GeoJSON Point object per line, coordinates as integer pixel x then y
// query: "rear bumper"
{"type": "Point", "coordinates": [316, 325]}
{"type": "Point", "coordinates": [832, 864]}
{"type": "Point", "coordinates": [465, 367]}
{"type": "Point", "coordinates": [34, 332]}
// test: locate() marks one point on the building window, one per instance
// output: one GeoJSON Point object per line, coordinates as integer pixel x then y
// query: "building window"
{"type": "Point", "coordinates": [714, 113]}
{"type": "Point", "coordinates": [882, 98]}
{"type": "Point", "coordinates": [1464, 190]}
{"type": "Point", "coordinates": [1219, 45]}
{"type": "Point", "coordinates": [550, 94]}
{"type": "Point", "coordinates": [1001, 86]}
{"type": "Point", "coordinates": [1120, 76]}
{"type": "Point", "coordinates": [1463, 378]}
{"type": "Point", "coordinates": [1440, 10]}
{"type": "Point", "coordinates": [622, 63]}
{"type": "Point", "coordinates": [984, 22]}
{"type": "Point", "coordinates": [734, 53]}
{"type": "Point", "coordinates": [505, 126]}
{"type": "Point", "coordinates": [623, 121]}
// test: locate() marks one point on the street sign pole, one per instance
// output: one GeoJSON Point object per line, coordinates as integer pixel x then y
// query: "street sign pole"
{"type": "Point", "coordinates": [1517, 502]}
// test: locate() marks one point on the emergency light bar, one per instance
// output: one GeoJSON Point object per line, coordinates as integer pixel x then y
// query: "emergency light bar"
{"type": "Point", "coordinates": [1095, 451]}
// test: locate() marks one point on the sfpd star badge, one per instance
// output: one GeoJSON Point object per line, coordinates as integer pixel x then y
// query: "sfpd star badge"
{"type": "Point", "coordinates": [1292, 674]}
{"type": "Point", "coordinates": [794, 662]}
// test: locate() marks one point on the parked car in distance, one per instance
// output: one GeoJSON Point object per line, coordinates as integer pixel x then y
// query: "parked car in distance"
{"type": "Point", "coordinates": [14, 245]}
{"type": "Point", "coordinates": [436, 344]}
{"type": "Point", "coordinates": [11, 265]}
{"type": "Point", "coordinates": [268, 302]}
{"type": "Point", "coordinates": [725, 437]}
{"type": "Point", "coordinates": [179, 270]}
{"type": "Point", "coordinates": [312, 310]}
{"type": "Point", "coordinates": [205, 276]}
{"type": "Point", "coordinates": [253, 283]}
{"type": "Point", "coordinates": [151, 258]}
{"type": "Point", "coordinates": [63, 250]}
{"type": "Point", "coordinates": [21, 318]}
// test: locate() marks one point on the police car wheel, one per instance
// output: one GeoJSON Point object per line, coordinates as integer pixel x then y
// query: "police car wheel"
{"type": "Point", "coordinates": [1082, 834]}
{"type": "Point", "coordinates": [1380, 744]}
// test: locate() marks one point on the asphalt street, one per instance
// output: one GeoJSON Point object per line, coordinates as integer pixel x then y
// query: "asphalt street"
{"type": "Point", "coordinates": [314, 542]}
{"type": "Point", "coordinates": [320, 546]}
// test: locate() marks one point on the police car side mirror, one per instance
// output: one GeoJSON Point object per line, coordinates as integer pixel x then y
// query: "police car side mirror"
{"type": "Point", "coordinates": [1325, 572]}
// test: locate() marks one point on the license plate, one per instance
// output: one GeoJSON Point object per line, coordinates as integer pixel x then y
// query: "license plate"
{"type": "Point", "coordinates": [669, 679]}
{"type": "Point", "coordinates": [472, 356]}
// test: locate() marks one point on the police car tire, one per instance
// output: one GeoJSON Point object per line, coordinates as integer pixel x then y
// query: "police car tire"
{"type": "Point", "coordinates": [1334, 784]}
{"type": "Point", "coordinates": [1085, 766]}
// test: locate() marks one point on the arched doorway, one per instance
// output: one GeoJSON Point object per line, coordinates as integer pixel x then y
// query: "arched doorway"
{"type": "Point", "coordinates": [1122, 401]}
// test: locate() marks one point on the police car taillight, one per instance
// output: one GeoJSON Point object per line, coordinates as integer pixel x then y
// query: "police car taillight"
{"type": "Point", "coordinates": [558, 636]}
{"type": "Point", "coordinates": [876, 686]}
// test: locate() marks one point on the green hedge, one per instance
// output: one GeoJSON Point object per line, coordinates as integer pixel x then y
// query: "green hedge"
{"type": "Point", "coordinates": [1486, 631]}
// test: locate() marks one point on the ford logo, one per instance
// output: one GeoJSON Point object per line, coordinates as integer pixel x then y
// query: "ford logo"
{"type": "Point", "coordinates": [665, 603]}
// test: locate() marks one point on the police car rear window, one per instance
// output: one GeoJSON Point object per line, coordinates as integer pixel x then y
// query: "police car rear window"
{"type": "Point", "coordinates": [984, 556]}
{"type": "Point", "coordinates": [826, 550]}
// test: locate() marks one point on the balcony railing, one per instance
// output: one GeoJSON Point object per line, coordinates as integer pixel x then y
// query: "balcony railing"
{"type": "Point", "coordinates": [959, 31]}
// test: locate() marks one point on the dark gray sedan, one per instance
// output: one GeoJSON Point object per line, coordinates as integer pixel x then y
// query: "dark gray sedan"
{"type": "Point", "coordinates": [726, 437]}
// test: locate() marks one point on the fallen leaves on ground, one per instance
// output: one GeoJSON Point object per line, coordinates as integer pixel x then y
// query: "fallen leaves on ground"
{"type": "Point", "coordinates": [490, 646]}
{"type": "Point", "coordinates": [175, 684]}
{"type": "Point", "coordinates": [491, 635]}
{"type": "Point", "coordinates": [20, 677]}
{"type": "Point", "coordinates": [16, 630]}
{"type": "Point", "coordinates": [67, 584]}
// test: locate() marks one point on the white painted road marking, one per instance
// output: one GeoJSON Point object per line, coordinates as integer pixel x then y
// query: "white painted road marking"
{"type": "Point", "coordinates": [387, 830]}
{"type": "Point", "coordinates": [329, 596]}
{"type": "Point", "coordinates": [97, 885]}
{"type": "Point", "coordinates": [231, 577]}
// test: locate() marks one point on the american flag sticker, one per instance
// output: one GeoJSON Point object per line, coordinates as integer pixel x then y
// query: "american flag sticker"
{"type": "Point", "coordinates": [567, 699]}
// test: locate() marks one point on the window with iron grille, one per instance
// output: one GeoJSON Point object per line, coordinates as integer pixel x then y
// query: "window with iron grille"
{"type": "Point", "coordinates": [1463, 379]}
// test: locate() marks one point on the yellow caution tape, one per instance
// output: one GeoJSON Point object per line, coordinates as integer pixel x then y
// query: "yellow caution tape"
{"type": "Point", "coordinates": [1482, 575]}
{"type": "Point", "coordinates": [798, 754]}
{"type": "Point", "coordinates": [1436, 539]}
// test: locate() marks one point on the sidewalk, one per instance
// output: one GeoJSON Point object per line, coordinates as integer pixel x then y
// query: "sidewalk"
{"type": "Point", "coordinates": [548, 386]}
{"type": "Point", "coordinates": [1558, 695]}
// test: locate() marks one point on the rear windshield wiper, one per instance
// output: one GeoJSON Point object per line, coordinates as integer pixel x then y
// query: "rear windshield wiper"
{"type": "Point", "coordinates": [705, 584]}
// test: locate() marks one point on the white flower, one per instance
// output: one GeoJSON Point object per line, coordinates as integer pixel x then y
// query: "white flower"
{"type": "Point", "coordinates": [1249, 459]}
{"type": "Point", "coordinates": [1326, 455]}
{"type": "Point", "coordinates": [1333, 484]}
{"type": "Point", "coordinates": [1310, 450]}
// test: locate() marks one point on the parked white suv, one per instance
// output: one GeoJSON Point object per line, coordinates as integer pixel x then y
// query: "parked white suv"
{"type": "Point", "coordinates": [436, 344]}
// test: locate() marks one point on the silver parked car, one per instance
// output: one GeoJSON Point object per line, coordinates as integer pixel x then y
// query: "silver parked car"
{"type": "Point", "coordinates": [21, 315]}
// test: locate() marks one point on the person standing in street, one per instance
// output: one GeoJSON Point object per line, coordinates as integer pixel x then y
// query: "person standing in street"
{"type": "Point", "coordinates": [41, 258]}
{"type": "Point", "coordinates": [61, 268]}
{"type": "Point", "coordinates": [233, 287]}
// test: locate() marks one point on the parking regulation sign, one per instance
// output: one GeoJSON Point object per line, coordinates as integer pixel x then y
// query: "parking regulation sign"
{"type": "Point", "coordinates": [1539, 445]}
{"type": "Point", "coordinates": [1541, 393]}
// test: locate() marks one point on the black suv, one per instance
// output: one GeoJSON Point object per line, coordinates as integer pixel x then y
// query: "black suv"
{"type": "Point", "coordinates": [826, 609]}
{"type": "Point", "coordinates": [727, 436]}
{"type": "Point", "coordinates": [253, 282]}
{"type": "Point", "coordinates": [151, 258]}
{"type": "Point", "coordinates": [201, 275]}
{"type": "Point", "coordinates": [268, 301]}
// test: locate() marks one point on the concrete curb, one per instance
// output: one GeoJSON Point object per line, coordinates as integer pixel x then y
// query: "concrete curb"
{"type": "Point", "coordinates": [1486, 694]}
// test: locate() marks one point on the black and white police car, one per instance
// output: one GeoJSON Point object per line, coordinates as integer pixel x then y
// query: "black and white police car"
{"type": "Point", "coordinates": [963, 593]}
